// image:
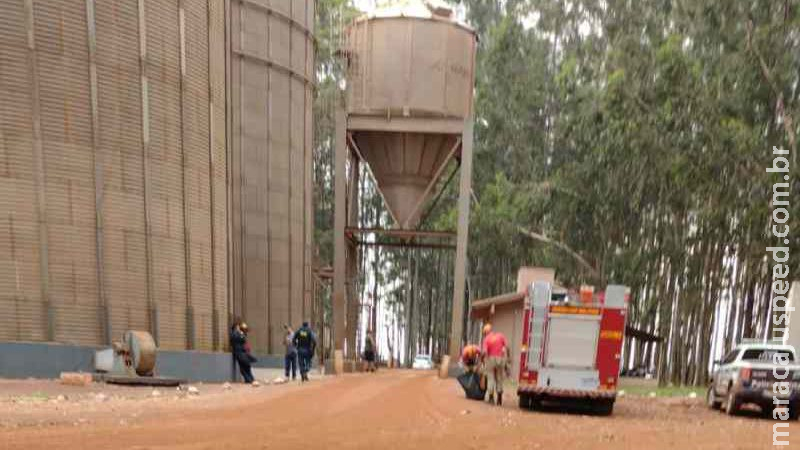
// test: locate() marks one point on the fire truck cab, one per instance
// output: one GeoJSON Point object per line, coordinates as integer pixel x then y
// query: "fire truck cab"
{"type": "Point", "coordinates": [571, 348]}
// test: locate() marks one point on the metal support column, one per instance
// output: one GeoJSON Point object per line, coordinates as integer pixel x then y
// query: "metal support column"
{"type": "Point", "coordinates": [339, 222]}
{"type": "Point", "coordinates": [99, 177]}
{"type": "Point", "coordinates": [465, 188]}
{"type": "Point", "coordinates": [351, 263]}
{"type": "Point", "coordinates": [148, 228]}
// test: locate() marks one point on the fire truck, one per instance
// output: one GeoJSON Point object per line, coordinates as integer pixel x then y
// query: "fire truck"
{"type": "Point", "coordinates": [571, 348]}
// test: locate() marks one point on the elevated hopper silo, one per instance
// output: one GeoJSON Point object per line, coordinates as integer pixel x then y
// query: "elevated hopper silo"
{"type": "Point", "coordinates": [409, 91]}
{"type": "Point", "coordinates": [408, 113]}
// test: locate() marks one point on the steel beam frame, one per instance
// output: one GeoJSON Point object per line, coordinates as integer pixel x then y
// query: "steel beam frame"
{"type": "Point", "coordinates": [402, 234]}
{"type": "Point", "coordinates": [406, 245]}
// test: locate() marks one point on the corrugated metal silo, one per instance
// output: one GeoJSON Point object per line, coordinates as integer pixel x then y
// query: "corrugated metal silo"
{"type": "Point", "coordinates": [113, 171]}
{"type": "Point", "coordinates": [409, 90]}
{"type": "Point", "coordinates": [271, 58]}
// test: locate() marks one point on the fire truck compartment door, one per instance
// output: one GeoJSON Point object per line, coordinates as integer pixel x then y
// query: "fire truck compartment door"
{"type": "Point", "coordinates": [572, 341]}
{"type": "Point", "coordinates": [586, 380]}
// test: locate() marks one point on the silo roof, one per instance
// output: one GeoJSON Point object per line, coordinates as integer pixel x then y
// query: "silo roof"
{"type": "Point", "coordinates": [419, 9]}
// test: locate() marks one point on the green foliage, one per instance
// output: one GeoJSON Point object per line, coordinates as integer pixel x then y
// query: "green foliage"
{"type": "Point", "coordinates": [635, 134]}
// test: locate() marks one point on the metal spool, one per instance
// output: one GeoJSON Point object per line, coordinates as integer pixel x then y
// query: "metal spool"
{"type": "Point", "coordinates": [142, 349]}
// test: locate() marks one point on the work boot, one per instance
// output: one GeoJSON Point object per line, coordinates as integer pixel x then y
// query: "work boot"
{"type": "Point", "coordinates": [499, 399]}
{"type": "Point", "coordinates": [491, 399]}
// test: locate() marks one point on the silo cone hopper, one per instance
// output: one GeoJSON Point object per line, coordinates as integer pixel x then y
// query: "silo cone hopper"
{"type": "Point", "coordinates": [406, 167]}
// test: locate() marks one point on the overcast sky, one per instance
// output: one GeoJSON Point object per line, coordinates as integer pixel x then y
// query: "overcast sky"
{"type": "Point", "coordinates": [364, 5]}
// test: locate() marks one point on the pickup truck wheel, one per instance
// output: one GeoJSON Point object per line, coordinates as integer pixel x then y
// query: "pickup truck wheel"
{"type": "Point", "coordinates": [794, 412]}
{"type": "Point", "coordinates": [732, 404]}
{"type": "Point", "coordinates": [712, 400]}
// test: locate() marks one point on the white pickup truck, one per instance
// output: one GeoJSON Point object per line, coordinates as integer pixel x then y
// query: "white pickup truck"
{"type": "Point", "coordinates": [747, 375]}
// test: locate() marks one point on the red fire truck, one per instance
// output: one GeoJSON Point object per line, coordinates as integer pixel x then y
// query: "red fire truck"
{"type": "Point", "coordinates": [571, 348]}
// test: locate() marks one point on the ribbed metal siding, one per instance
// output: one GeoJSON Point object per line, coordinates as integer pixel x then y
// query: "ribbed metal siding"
{"type": "Point", "coordinates": [196, 148]}
{"type": "Point", "coordinates": [120, 130]}
{"type": "Point", "coordinates": [165, 153]}
{"type": "Point", "coordinates": [23, 311]}
{"type": "Point", "coordinates": [219, 172]}
{"type": "Point", "coordinates": [119, 215]}
{"type": "Point", "coordinates": [270, 84]}
{"type": "Point", "coordinates": [63, 66]}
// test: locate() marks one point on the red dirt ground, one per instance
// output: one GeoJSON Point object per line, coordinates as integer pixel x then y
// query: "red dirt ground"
{"type": "Point", "coordinates": [387, 410]}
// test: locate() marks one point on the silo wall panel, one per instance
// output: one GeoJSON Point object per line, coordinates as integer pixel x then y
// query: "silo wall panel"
{"type": "Point", "coordinates": [271, 55]}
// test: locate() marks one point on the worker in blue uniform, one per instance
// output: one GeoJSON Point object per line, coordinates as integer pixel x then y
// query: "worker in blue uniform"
{"type": "Point", "coordinates": [306, 343]}
{"type": "Point", "coordinates": [241, 351]}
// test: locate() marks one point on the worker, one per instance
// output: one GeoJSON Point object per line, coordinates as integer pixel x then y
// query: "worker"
{"type": "Point", "coordinates": [369, 353]}
{"type": "Point", "coordinates": [470, 357]}
{"type": "Point", "coordinates": [495, 352]}
{"type": "Point", "coordinates": [239, 347]}
{"type": "Point", "coordinates": [290, 358]}
{"type": "Point", "coordinates": [305, 342]}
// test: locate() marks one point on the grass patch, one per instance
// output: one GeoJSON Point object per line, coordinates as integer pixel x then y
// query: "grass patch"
{"type": "Point", "coordinates": [668, 391]}
{"type": "Point", "coordinates": [34, 397]}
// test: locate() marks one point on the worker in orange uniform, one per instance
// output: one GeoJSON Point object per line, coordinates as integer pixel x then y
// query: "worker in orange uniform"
{"type": "Point", "coordinates": [495, 352]}
{"type": "Point", "coordinates": [470, 357]}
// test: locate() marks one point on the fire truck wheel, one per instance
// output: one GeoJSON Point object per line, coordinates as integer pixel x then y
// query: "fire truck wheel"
{"type": "Point", "coordinates": [731, 404]}
{"type": "Point", "coordinates": [525, 401]}
{"type": "Point", "coordinates": [604, 407]}
{"type": "Point", "coordinates": [712, 400]}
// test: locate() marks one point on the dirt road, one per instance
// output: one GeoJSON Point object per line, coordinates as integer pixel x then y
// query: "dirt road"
{"type": "Point", "coordinates": [388, 410]}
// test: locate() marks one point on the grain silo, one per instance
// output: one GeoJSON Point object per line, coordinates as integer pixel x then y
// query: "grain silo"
{"type": "Point", "coordinates": [154, 175]}
{"type": "Point", "coordinates": [270, 115]}
{"type": "Point", "coordinates": [408, 116]}
{"type": "Point", "coordinates": [113, 171]}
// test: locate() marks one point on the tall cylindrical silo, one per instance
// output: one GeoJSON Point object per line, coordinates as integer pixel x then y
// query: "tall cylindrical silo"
{"type": "Point", "coordinates": [271, 72]}
{"type": "Point", "coordinates": [113, 171]}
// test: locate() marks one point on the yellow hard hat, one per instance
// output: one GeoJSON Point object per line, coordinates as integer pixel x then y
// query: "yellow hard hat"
{"type": "Point", "coordinates": [243, 326]}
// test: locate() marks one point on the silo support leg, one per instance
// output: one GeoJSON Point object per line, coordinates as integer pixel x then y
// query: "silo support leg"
{"type": "Point", "coordinates": [465, 188]}
{"type": "Point", "coordinates": [339, 222]}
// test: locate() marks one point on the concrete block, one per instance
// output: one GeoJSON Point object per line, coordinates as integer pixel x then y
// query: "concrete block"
{"type": "Point", "coordinates": [76, 378]}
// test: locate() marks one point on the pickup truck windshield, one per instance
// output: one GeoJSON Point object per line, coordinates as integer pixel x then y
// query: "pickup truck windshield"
{"type": "Point", "coordinates": [765, 354]}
